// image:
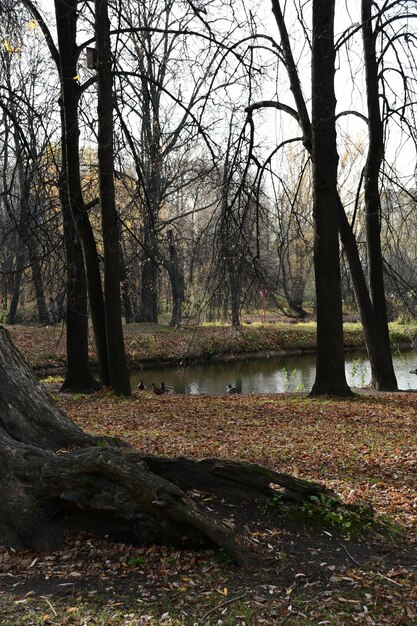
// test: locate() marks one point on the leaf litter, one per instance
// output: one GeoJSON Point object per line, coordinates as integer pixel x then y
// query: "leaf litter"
{"type": "Point", "coordinates": [365, 449]}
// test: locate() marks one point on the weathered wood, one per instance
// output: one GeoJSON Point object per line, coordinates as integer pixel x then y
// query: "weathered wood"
{"type": "Point", "coordinates": [244, 481]}
{"type": "Point", "coordinates": [27, 412]}
{"type": "Point", "coordinates": [64, 474]}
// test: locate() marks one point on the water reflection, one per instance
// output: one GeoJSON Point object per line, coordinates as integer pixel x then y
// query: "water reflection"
{"type": "Point", "coordinates": [269, 375]}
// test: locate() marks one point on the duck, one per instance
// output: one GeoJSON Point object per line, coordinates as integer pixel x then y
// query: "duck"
{"type": "Point", "coordinates": [166, 388]}
{"type": "Point", "coordinates": [141, 385]}
{"type": "Point", "coordinates": [157, 391]}
{"type": "Point", "coordinates": [413, 371]}
{"type": "Point", "coordinates": [231, 391]}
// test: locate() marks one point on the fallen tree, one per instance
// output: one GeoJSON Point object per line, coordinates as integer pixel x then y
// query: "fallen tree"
{"type": "Point", "coordinates": [56, 477]}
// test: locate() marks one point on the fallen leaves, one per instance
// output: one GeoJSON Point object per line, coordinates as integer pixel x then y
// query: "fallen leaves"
{"type": "Point", "coordinates": [364, 448]}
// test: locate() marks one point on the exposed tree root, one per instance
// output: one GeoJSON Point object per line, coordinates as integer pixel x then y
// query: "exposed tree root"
{"type": "Point", "coordinates": [56, 477]}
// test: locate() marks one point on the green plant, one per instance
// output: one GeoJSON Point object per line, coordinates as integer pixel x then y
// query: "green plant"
{"type": "Point", "coordinates": [330, 511]}
{"type": "Point", "coordinates": [277, 501]}
{"type": "Point", "coordinates": [50, 380]}
{"type": "Point", "coordinates": [290, 380]}
{"type": "Point", "coordinates": [224, 558]}
{"type": "Point", "coordinates": [102, 443]}
{"type": "Point", "coordinates": [47, 356]}
{"type": "Point", "coordinates": [359, 369]}
{"type": "Point", "coordinates": [134, 561]}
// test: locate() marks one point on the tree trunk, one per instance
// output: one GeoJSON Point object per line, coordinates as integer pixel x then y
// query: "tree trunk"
{"type": "Point", "coordinates": [148, 306]}
{"type": "Point", "coordinates": [371, 183]}
{"type": "Point", "coordinates": [234, 284]}
{"type": "Point", "coordinates": [119, 375]}
{"type": "Point", "coordinates": [38, 285]}
{"type": "Point", "coordinates": [382, 371]}
{"type": "Point", "coordinates": [330, 366]}
{"type": "Point", "coordinates": [124, 285]}
{"type": "Point", "coordinates": [102, 487]}
{"type": "Point", "coordinates": [380, 358]}
{"type": "Point", "coordinates": [17, 279]}
{"type": "Point", "coordinates": [176, 276]}
{"type": "Point", "coordinates": [66, 20]}
{"type": "Point", "coordinates": [78, 376]}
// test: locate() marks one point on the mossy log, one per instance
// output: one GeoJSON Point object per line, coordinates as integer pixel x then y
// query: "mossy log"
{"type": "Point", "coordinates": [56, 477]}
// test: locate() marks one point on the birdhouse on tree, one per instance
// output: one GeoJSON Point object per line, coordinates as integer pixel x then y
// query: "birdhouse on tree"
{"type": "Point", "coordinates": [91, 58]}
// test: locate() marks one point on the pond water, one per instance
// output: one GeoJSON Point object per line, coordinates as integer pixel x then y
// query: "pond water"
{"type": "Point", "coordinates": [269, 375]}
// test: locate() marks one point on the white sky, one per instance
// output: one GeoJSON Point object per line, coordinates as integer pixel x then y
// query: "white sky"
{"type": "Point", "coordinates": [349, 81]}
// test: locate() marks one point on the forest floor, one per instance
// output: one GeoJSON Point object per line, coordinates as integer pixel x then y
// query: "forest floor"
{"type": "Point", "coordinates": [316, 569]}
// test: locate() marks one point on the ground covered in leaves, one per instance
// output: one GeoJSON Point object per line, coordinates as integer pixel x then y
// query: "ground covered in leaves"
{"type": "Point", "coordinates": [318, 567]}
{"type": "Point", "coordinates": [364, 448]}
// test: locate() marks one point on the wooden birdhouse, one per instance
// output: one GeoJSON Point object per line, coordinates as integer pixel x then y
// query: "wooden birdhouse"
{"type": "Point", "coordinates": [91, 58]}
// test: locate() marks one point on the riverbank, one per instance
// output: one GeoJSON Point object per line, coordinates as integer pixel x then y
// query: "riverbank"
{"type": "Point", "coordinates": [149, 345]}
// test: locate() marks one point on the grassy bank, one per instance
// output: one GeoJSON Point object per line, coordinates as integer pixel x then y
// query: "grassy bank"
{"type": "Point", "coordinates": [44, 347]}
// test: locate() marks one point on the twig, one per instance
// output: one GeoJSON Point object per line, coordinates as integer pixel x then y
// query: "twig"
{"type": "Point", "coordinates": [349, 555]}
{"type": "Point", "coordinates": [52, 608]}
{"type": "Point", "coordinates": [222, 604]}
{"type": "Point", "coordinates": [382, 557]}
{"type": "Point", "coordinates": [394, 582]}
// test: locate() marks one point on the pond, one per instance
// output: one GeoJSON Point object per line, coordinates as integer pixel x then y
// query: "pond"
{"type": "Point", "coordinates": [269, 375]}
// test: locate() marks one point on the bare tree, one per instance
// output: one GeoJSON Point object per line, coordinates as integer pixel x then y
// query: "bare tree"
{"type": "Point", "coordinates": [330, 364]}
{"type": "Point", "coordinates": [119, 375]}
{"type": "Point", "coordinates": [383, 376]}
{"type": "Point", "coordinates": [24, 144]}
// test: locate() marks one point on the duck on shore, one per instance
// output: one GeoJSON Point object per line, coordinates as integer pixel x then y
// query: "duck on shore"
{"type": "Point", "coordinates": [163, 389]}
{"type": "Point", "coordinates": [157, 391]}
{"type": "Point", "coordinates": [231, 391]}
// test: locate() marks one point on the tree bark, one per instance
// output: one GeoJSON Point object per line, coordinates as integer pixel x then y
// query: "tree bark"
{"type": "Point", "coordinates": [119, 375]}
{"type": "Point", "coordinates": [17, 280]}
{"type": "Point", "coordinates": [78, 376]}
{"type": "Point", "coordinates": [38, 286]}
{"type": "Point", "coordinates": [176, 276]}
{"type": "Point", "coordinates": [330, 365]}
{"type": "Point", "coordinates": [382, 370]}
{"type": "Point", "coordinates": [371, 185]}
{"type": "Point", "coordinates": [148, 306]}
{"type": "Point", "coordinates": [380, 358]}
{"type": "Point", "coordinates": [124, 285]}
{"type": "Point", "coordinates": [234, 284]}
{"type": "Point", "coordinates": [66, 20]}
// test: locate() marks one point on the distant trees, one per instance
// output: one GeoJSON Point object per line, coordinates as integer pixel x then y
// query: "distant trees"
{"type": "Point", "coordinates": [163, 88]}
{"type": "Point", "coordinates": [25, 214]}
{"type": "Point", "coordinates": [293, 237]}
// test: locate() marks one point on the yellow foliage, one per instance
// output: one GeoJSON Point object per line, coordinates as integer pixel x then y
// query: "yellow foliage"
{"type": "Point", "coordinates": [11, 49]}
